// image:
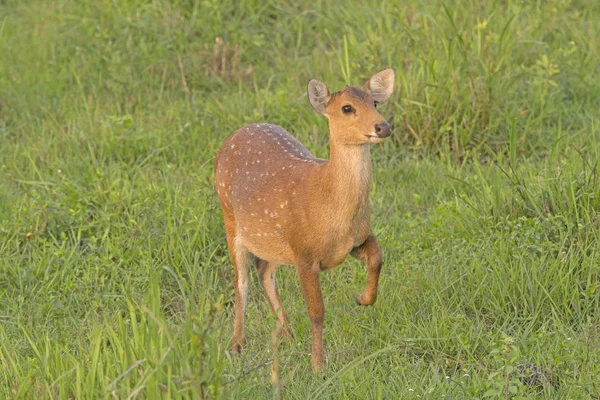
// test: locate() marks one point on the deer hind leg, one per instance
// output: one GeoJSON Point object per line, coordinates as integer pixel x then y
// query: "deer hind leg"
{"type": "Point", "coordinates": [370, 253]}
{"type": "Point", "coordinates": [241, 258]}
{"type": "Point", "coordinates": [266, 272]}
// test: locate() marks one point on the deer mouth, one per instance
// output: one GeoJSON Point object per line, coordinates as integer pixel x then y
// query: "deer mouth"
{"type": "Point", "coordinates": [373, 138]}
{"type": "Point", "coordinates": [382, 131]}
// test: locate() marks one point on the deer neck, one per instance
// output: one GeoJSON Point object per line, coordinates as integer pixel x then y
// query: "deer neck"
{"type": "Point", "coordinates": [348, 177]}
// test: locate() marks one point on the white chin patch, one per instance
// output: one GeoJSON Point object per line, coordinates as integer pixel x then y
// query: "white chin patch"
{"type": "Point", "coordinates": [374, 137]}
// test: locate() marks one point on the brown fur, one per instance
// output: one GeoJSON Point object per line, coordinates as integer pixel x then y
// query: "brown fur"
{"type": "Point", "coordinates": [285, 206]}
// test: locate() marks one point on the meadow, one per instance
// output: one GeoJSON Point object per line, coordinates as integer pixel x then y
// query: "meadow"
{"type": "Point", "coordinates": [115, 281]}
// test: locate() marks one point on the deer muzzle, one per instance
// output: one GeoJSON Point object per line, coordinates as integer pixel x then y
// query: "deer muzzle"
{"type": "Point", "coordinates": [383, 130]}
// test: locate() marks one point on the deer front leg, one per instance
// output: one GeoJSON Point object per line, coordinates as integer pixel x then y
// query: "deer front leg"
{"type": "Point", "coordinates": [311, 290]}
{"type": "Point", "coordinates": [370, 253]}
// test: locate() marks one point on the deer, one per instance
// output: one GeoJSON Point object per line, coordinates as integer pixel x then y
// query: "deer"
{"type": "Point", "coordinates": [281, 205]}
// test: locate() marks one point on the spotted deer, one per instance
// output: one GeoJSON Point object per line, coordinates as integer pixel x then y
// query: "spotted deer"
{"type": "Point", "coordinates": [281, 205]}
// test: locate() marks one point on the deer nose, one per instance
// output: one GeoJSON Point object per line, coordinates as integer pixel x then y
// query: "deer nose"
{"type": "Point", "coordinates": [383, 130]}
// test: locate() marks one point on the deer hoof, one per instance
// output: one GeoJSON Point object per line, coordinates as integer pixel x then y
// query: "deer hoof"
{"type": "Point", "coordinates": [365, 300]}
{"type": "Point", "coordinates": [237, 345]}
{"type": "Point", "coordinates": [318, 366]}
{"type": "Point", "coordinates": [286, 332]}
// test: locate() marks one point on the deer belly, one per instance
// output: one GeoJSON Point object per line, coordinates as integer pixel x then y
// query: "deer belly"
{"type": "Point", "coordinates": [270, 248]}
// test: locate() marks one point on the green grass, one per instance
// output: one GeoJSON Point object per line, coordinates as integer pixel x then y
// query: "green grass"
{"type": "Point", "coordinates": [115, 280]}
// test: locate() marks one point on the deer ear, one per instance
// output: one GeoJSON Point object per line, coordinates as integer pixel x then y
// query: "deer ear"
{"type": "Point", "coordinates": [318, 95]}
{"type": "Point", "coordinates": [381, 85]}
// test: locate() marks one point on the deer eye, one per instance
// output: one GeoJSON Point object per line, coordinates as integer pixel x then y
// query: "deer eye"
{"type": "Point", "coordinates": [347, 109]}
{"type": "Point", "coordinates": [376, 103]}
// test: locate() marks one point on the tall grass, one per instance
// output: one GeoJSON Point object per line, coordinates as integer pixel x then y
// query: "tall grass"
{"type": "Point", "coordinates": [114, 275]}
